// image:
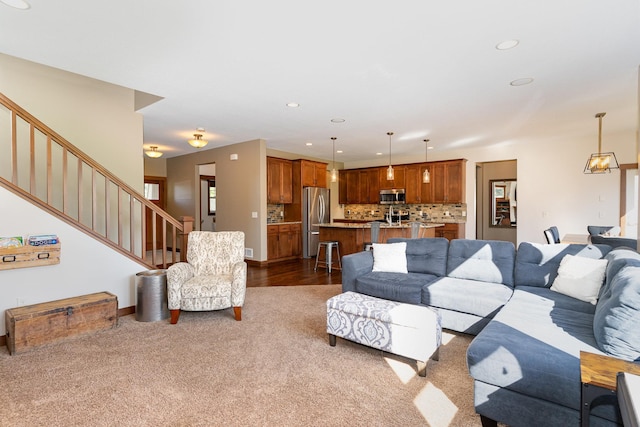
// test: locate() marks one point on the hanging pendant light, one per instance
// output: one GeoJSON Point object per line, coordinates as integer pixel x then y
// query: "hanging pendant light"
{"type": "Point", "coordinates": [153, 152]}
{"type": "Point", "coordinates": [601, 162]}
{"type": "Point", "coordinates": [334, 172]}
{"type": "Point", "coordinates": [426, 176]}
{"type": "Point", "coordinates": [390, 168]}
{"type": "Point", "coordinates": [197, 140]}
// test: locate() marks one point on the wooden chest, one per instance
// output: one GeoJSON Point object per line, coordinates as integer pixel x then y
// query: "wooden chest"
{"type": "Point", "coordinates": [33, 325]}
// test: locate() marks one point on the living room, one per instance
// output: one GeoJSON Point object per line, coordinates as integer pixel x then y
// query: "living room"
{"type": "Point", "coordinates": [103, 120]}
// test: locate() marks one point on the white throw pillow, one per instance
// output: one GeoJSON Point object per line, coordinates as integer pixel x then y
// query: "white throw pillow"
{"type": "Point", "coordinates": [580, 277]}
{"type": "Point", "coordinates": [390, 257]}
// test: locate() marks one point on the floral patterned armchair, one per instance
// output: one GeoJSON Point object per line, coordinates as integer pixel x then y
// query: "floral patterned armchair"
{"type": "Point", "coordinates": [214, 276]}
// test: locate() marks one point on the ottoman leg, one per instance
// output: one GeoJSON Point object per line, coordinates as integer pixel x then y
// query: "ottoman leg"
{"type": "Point", "coordinates": [422, 368]}
{"type": "Point", "coordinates": [332, 340]}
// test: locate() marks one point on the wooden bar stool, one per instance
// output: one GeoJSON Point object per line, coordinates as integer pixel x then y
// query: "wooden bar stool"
{"type": "Point", "coordinates": [328, 255]}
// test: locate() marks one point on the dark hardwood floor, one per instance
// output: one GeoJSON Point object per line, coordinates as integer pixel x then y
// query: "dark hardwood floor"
{"type": "Point", "coordinates": [292, 273]}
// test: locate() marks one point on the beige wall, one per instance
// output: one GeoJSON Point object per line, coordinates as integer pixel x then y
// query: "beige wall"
{"type": "Point", "coordinates": [155, 167]}
{"type": "Point", "coordinates": [94, 116]}
{"type": "Point", "coordinates": [241, 187]}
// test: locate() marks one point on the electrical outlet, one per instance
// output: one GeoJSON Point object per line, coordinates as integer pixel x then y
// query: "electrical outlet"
{"type": "Point", "coordinates": [282, 214]}
{"type": "Point", "coordinates": [419, 213]}
{"type": "Point", "coordinates": [464, 213]}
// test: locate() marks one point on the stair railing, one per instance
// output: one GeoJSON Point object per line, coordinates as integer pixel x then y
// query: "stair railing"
{"type": "Point", "coordinates": [47, 170]}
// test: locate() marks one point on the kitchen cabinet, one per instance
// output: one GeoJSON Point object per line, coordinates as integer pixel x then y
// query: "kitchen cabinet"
{"type": "Point", "coordinates": [314, 174]}
{"type": "Point", "coordinates": [279, 180]}
{"type": "Point", "coordinates": [370, 186]}
{"type": "Point", "coordinates": [398, 178]}
{"type": "Point", "coordinates": [448, 180]}
{"type": "Point", "coordinates": [416, 190]}
{"type": "Point", "coordinates": [284, 241]}
{"type": "Point", "coordinates": [359, 186]}
{"type": "Point", "coordinates": [451, 231]}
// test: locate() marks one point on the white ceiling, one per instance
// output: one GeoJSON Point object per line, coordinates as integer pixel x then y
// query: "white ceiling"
{"type": "Point", "coordinates": [422, 69]}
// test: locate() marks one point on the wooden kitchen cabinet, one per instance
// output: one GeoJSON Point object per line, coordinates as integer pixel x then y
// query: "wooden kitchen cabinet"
{"type": "Point", "coordinates": [359, 186]}
{"type": "Point", "coordinates": [451, 231]}
{"type": "Point", "coordinates": [448, 180]}
{"type": "Point", "coordinates": [314, 174]}
{"type": "Point", "coordinates": [416, 190]}
{"type": "Point", "coordinates": [279, 180]}
{"type": "Point", "coordinates": [398, 178]}
{"type": "Point", "coordinates": [284, 241]}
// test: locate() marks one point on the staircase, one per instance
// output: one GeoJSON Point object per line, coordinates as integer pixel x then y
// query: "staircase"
{"type": "Point", "coordinates": [42, 167]}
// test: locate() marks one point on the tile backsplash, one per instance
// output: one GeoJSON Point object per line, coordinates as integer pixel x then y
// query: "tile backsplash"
{"type": "Point", "coordinates": [275, 213]}
{"type": "Point", "coordinates": [423, 212]}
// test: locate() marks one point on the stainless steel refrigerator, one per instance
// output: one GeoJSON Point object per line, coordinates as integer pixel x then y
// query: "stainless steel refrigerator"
{"type": "Point", "coordinates": [315, 210]}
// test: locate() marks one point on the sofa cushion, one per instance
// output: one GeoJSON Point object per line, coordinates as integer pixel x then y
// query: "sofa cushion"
{"type": "Point", "coordinates": [617, 317]}
{"type": "Point", "coordinates": [533, 347]}
{"type": "Point", "coordinates": [390, 257]}
{"type": "Point", "coordinates": [394, 286]}
{"type": "Point", "coordinates": [580, 277]}
{"type": "Point", "coordinates": [537, 264]}
{"type": "Point", "coordinates": [618, 258]}
{"type": "Point", "coordinates": [482, 299]}
{"type": "Point", "coordinates": [546, 297]}
{"type": "Point", "coordinates": [482, 260]}
{"type": "Point", "coordinates": [426, 255]}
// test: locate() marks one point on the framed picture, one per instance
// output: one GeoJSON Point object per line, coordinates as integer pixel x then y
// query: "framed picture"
{"type": "Point", "coordinates": [498, 192]}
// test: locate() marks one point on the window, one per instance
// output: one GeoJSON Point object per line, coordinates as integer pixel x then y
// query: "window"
{"type": "Point", "coordinates": [151, 191]}
{"type": "Point", "coordinates": [212, 197]}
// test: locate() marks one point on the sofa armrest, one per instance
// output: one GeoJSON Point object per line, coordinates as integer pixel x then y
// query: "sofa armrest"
{"type": "Point", "coordinates": [239, 284]}
{"type": "Point", "coordinates": [177, 275]}
{"type": "Point", "coordinates": [354, 266]}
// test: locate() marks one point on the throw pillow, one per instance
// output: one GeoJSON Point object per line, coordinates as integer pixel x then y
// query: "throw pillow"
{"type": "Point", "coordinates": [614, 232]}
{"type": "Point", "coordinates": [390, 257]}
{"type": "Point", "coordinates": [580, 277]}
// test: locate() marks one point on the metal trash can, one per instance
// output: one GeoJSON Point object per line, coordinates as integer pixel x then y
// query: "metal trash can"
{"type": "Point", "coordinates": [151, 296]}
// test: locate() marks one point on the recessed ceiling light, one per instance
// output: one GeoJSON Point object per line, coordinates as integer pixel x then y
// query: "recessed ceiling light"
{"type": "Point", "coordinates": [337, 120]}
{"type": "Point", "coordinates": [339, 151]}
{"type": "Point", "coordinates": [521, 82]}
{"type": "Point", "coordinates": [308, 144]}
{"type": "Point", "coordinates": [378, 154]}
{"type": "Point", "coordinates": [293, 104]}
{"type": "Point", "coordinates": [18, 4]}
{"type": "Point", "coordinates": [507, 44]}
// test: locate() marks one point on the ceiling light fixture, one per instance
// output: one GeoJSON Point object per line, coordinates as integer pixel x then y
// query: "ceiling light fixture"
{"type": "Point", "coordinates": [507, 44]}
{"type": "Point", "coordinates": [426, 176]}
{"type": "Point", "coordinates": [197, 140]}
{"type": "Point", "coordinates": [293, 104]}
{"type": "Point", "coordinates": [18, 4]}
{"type": "Point", "coordinates": [390, 168]}
{"type": "Point", "coordinates": [334, 172]}
{"type": "Point", "coordinates": [521, 82]}
{"type": "Point", "coordinates": [601, 162]}
{"type": "Point", "coordinates": [153, 152]}
{"type": "Point", "coordinates": [337, 120]}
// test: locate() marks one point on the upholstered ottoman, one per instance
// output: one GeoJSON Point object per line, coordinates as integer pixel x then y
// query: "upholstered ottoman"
{"type": "Point", "coordinates": [407, 330]}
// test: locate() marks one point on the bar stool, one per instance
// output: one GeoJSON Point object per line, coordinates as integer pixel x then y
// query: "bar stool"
{"type": "Point", "coordinates": [328, 255]}
{"type": "Point", "coordinates": [415, 229]}
{"type": "Point", "coordinates": [375, 232]}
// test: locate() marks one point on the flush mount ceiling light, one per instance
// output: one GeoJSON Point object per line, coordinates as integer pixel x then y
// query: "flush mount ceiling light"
{"type": "Point", "coordinates": [507, 44]}
{"type": "Point", "coordinates": [390, 168]}
{"type": "Point", "coordinates": [293, 104]}
{"type": "Point", "coordinates": [18, 4]}
{"type": "Point", "coordinates": [334, 172]}
{"type": "Point", "coordinates": [426, 176]}
{"type": "Point", "coordinates": [153, 152]}
{"type": "Point", "coordinates": [197, 140]}
{"type": "Point", "coordinates": [521, 82]}
{"type": "Point", "coordinates": [337, 120]}
{"type": "Point", "coordinates": [601, 162]}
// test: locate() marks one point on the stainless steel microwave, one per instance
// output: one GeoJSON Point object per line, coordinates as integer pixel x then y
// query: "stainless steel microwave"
{"type": "Point", "coordinates": [395, 196]}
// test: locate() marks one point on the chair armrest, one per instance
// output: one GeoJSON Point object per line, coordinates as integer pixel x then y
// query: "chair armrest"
{"type": "Point", "coordinates": [354, 266]}
{"type": "Point", "coordinates": [239, 283]}
{"type": "Point", "coordinates": [177, 275]}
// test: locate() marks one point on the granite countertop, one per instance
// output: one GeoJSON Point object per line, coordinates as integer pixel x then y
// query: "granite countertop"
{"type": "Point", "coordinates": [382, 225]}
{"type": "Point", "coordinates": [283, 222]}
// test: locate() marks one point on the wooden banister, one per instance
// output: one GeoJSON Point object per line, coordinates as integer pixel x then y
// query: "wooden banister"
{"type": "Point", "coordinates": [83, 186]}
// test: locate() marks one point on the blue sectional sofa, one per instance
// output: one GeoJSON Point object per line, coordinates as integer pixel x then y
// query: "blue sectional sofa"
{"type": "Point", "coordinates": [525, 357]}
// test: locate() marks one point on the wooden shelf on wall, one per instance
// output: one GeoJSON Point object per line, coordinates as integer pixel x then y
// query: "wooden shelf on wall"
{"type": "Point", "coordinates": [29, 256]}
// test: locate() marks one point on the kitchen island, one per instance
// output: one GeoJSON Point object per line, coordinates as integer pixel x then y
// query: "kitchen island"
{"type": "Point", "coordinates": [352, 236]}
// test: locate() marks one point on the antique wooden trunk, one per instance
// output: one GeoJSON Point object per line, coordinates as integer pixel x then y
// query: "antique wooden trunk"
{"type": "Point", "coordinates": [33, 325]}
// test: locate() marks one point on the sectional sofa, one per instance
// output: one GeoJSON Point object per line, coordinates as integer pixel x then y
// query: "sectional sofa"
{"type": "Point", "coordinates": [525, 356]}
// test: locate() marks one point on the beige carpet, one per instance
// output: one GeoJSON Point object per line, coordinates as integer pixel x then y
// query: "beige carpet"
{"type": "Point", "coordinates": [274, 368]}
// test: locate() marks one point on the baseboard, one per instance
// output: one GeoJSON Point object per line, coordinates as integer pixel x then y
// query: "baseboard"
{"type": "Point", "coordinates": [125, 311]}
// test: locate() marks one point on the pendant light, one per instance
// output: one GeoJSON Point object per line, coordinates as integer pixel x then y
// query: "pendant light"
{"type": "Point", "coordinates": [153, 152]}
{"type": "Point", "coordinates": [601, 162]}
{"type": "Point", "coordinates": [426, 176]}
{"type": "Point", "coordinates": [390, 168]}
{"type": "Point", "coordinates": [197, 140]}
{"type": "Point", "coordinates": [334, 172]}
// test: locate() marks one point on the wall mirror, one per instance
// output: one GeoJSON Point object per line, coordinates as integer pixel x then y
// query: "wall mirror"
{"type": "Point", "coordinates": [503, 194]}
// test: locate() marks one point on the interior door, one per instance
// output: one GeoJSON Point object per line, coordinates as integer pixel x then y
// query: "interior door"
{"type": "Point", "coordinates": [155, 192]}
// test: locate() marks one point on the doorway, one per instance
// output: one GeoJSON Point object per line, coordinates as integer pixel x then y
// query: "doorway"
{"type": "Point", "coordinates": [496, 201]}
{"type": "Point", "coordinates": [207, 201]}
{"type": "Point", "coordinates": [155, 192]}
